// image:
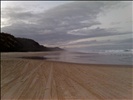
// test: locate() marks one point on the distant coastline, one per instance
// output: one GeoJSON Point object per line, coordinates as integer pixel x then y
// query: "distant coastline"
{"type": "Point", "coordinates": [10, 43]}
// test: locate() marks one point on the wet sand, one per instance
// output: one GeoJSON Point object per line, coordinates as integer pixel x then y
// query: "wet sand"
{"type": "Point", "coordinates": [32, 79]}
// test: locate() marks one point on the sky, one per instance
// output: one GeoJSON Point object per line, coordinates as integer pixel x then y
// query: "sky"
{"type": "Point", "coordinates": [74, 25]}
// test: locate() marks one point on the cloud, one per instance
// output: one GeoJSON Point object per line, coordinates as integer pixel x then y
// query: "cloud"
{"type": "Point", "coordinates": [125, 41]}
{"type": "Point", "coordinates": [18, 15]}
{"type": "Point", "coordinates": [71, 23]}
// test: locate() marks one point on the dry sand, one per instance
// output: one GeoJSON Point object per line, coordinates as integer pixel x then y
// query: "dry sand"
{"type": "Point", "coordinates": [27, 79]}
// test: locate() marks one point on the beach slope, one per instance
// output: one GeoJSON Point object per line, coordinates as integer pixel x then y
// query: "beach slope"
{"type": "Point", "coordinates": [27, 79]}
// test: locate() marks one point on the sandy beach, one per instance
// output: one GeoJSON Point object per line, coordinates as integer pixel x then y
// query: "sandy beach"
{"type": "Point", "coordinates": [32, 79]}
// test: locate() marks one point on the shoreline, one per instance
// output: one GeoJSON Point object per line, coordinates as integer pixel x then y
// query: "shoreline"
{"type": "Point", "coordinates": [47, 60]}
{"type": "Point", "coordinates": [61, 56]}
{"type": "Point", "coordinates": [51, 80]}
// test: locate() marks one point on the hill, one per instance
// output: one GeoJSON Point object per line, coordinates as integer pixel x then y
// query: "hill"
{"type": "Point", "coordinates": [9, 43]}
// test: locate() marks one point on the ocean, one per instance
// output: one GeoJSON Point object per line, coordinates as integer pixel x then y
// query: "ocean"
{"type": "Point", "coordinates": [116, 57]}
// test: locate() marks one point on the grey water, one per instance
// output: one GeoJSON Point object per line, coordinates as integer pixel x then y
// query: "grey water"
{"type": "Point", "coordinates": [106, 57]}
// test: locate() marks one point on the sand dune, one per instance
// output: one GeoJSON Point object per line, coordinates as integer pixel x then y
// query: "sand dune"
{"type": "Point", "coordinates": [23, 79]}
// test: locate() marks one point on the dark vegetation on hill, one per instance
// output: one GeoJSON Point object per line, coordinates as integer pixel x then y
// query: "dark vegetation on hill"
{"type": "Point", "coordinates": [9, 43]}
